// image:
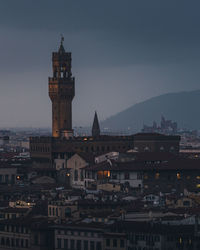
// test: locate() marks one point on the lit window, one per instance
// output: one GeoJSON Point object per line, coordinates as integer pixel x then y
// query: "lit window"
{"type": "Point", "coordinates": [157, 175]}
{"type": "Point", "coordinates": [178, 175]}
{"type": "Point", "coordinates": [198, 177]}
{"type": "Point", "coordinates": [198, 185]}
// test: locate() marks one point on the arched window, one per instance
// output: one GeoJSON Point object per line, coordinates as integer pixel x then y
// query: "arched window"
{"type": "Point", "coordinates": [75, 175]}
{"type": "Point", "coordinates": [56, 211]}
{"type": "Point", "coordinates": [50, 211]}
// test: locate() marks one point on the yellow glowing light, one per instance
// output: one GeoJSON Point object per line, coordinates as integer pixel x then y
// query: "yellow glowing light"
{"type": "Point", "coordinates": [198, 177]}
{"type": "Point", "coordinates": [85, 139]}
{"type": "Point", "coordinates": [178, 175]}
{"type": "Point", "coordinates": [157, 175]}
{"type": "Point", "coordinates": [68, 174]}
{"type": "Point", "coordinates": [18, 177]}
{"type": "Point", "coordinates": [198, 185]}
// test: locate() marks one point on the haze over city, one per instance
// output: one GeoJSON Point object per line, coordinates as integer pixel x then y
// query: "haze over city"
{"type": "Point", "coordinates": [123, 52]}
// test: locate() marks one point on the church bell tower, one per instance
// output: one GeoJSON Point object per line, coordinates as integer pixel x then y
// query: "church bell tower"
{"type": "Point", "coordinates": [61, 93]}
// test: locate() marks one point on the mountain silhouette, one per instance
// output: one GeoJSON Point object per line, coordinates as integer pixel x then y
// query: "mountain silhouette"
{"type": "Point", "coordinates": [181, 107]}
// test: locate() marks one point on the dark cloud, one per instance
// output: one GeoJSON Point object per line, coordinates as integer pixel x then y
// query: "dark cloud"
{"type": "Point", "coordinates": [123, 52]}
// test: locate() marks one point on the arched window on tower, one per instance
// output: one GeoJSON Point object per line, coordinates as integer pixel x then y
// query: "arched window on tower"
{"type": "Point", "coordinates": [75, 175]}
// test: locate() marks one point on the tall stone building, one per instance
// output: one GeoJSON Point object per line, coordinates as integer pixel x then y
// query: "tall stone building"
{"type": "Point", "coordinates": [62, 144]}
{"type": "Point", "coordinates": [61, 93]}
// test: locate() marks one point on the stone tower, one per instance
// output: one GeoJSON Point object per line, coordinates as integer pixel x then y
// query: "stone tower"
{"type": "Point", "coordinates": [95, 127]}
{"type": "Point", "coordinates": [61, 93]}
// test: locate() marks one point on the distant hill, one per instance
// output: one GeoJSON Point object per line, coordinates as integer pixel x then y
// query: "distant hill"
{"type": "Point", "coordinates": [182, 107]}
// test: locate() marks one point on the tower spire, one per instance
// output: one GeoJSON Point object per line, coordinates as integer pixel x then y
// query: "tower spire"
{"type": "Point", "coordinates": [61, 49]}
{"type": "Point", "coordinates": [95, 126]}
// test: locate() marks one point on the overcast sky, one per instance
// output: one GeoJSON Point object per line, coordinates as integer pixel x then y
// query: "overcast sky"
{"type": "Point", "coordinates": [123, 52]}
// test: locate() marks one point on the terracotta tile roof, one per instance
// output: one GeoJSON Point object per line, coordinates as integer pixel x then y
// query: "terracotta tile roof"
{"type": "Point", "coordinates": [88, 157]}
{"type": "Point", "coordinates": [14, 210]}
{"type": "Point", "coordinates": [155, 136]}
{"type": "Point", "coordinates": [145, 227]}
{"type": "Point", "coordinates": [145, 165]}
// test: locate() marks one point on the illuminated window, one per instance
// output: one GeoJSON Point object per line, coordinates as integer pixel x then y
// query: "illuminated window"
{"type": "Point", "coordinates": [178, 175]}
{"type": "Point", "coordinates": [103, 174]}
{"type": "Point", "coordinates": [100, 174]}
{"type": "Point", "coordinates": [157, 175]}
{"type": "Point", "coordinates": [198, 177]}
{"type": "Point", "coordinates": [198, 185]}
